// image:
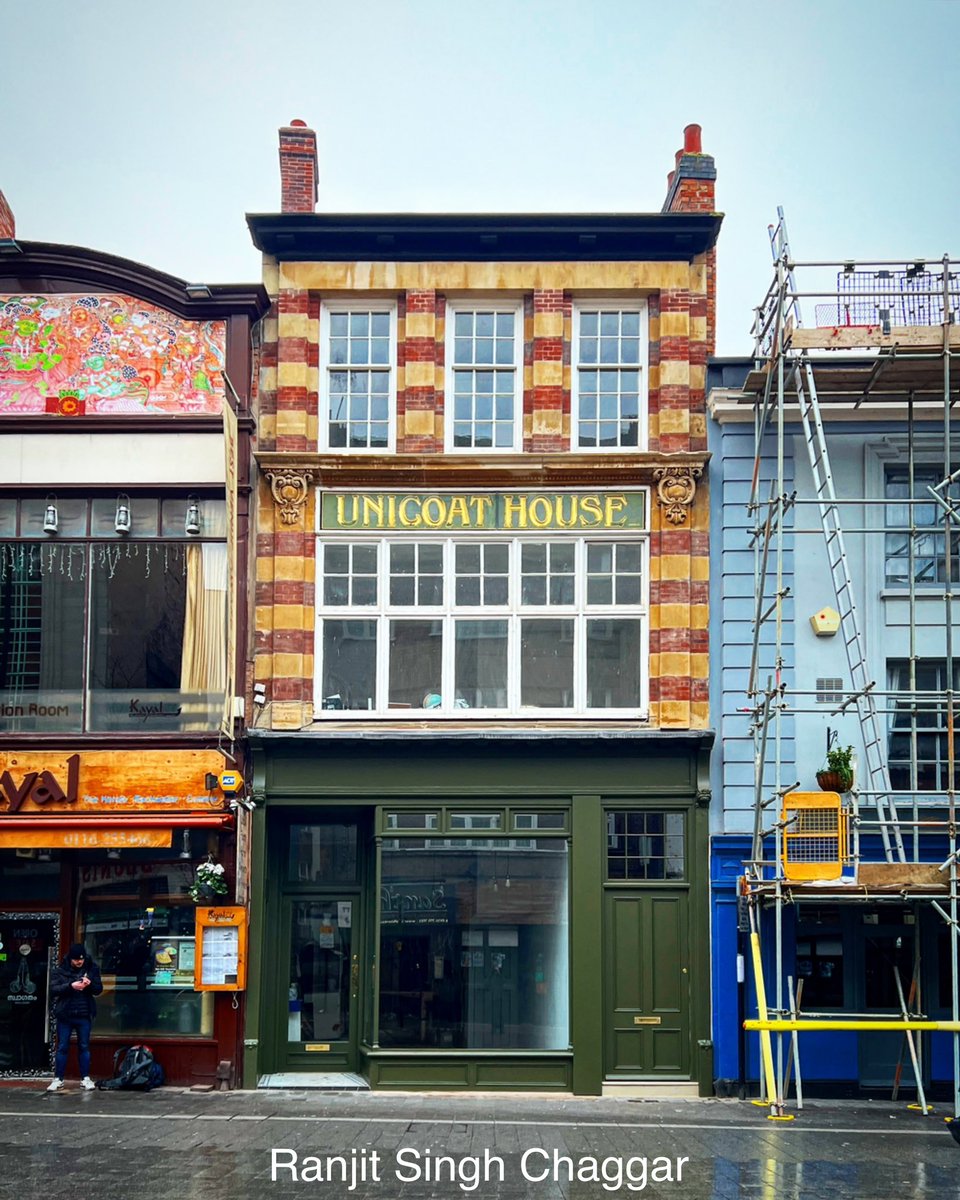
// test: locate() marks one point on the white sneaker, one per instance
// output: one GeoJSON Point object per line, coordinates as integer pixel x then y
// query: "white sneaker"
{"type": "Point", "coordinates": [55, 1086]}
{"type": "Point", "coordinates": [87, 1084]}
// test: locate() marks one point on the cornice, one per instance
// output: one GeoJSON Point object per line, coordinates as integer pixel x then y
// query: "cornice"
{"type": "Point", "coordinates": [491, 471]}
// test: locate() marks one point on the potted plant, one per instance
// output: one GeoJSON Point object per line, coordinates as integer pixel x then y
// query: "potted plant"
{"type": "Point", "coordinates": [837, 775]}
{"type": "Point", "coordinates": [209, 882]}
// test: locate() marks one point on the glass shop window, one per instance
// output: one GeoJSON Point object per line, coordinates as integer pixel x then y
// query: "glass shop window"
{"type": "Point", "coordinates": [820, 966]}
{"type": "Point", "coordinates": [474, 944]}
{"type": "Point", "coordinates": [137, 921]}
{"type": "Point", "coordinates": [323, 853]}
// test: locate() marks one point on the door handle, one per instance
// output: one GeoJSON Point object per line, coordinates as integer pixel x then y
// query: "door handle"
{"type": "Point", "coordinates": [355, 976]}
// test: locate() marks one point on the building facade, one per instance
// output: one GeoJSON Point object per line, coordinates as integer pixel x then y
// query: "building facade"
{"type": "Point", "coordinates": [124, 490]}
{"type": "Point", "coordinates": [481, 719]}
{"type": "Point", "coordinates": [863, 936]}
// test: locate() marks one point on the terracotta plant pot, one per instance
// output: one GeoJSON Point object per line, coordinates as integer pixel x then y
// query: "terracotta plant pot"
{"type": "Point", "coordinates": [834, 781]}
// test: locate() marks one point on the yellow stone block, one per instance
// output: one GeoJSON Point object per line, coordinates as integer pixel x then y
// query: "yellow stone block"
{"type": "Point", "coordinates": [291, 423]}
{"type": "Point", "coordinates": [420, 325]}
{"type": "Point", "coordinates": [674, 420]}
{"type": "Point", "coordinates": [271, 274]}
{"type": "Point", "coordinates": [268, 379]}
{"type": "Point", "coordinates": [419, 374]}
{"type": "Point", "coordinates": [698, 428]}
{"type": "Point", "coordinates": [263, 618]}
{"type": "Point", "coordinates": [699, 616]}
{"type": "Point", "coordinates": [698, 329]}
{"type": "Point", "coordinates": [699, 666]}
{"type": "Point", "coordinates": [263, 667]}
{"type": "Point", "coordinates": [297, 325]}
{"type": "Point", "coordinates": [674, 566]}
{"type": "Point", "coordinates": [267, 428]}
{"type": "Point", "coordinates": [419, 422]}
{"type": "Point", "coordinates": [484, 276]}
{"type": "Point", "coordinates": [292, 616]}
{"type": "Point", "coordinates": [548, 422]}
{"type": "Point", "coordinates": [654, 569]}
{"type": "Point", "coordinates": [527, 378]}
{"type": "Point", "coordinates": [653, 378]}
{"type": "Point", "coordinates": [566, 427]}
{"type": "Point", "coordinates": [699, 568]}
{"type": "Point", "coordinates": [548, 324]}
{"type": "Point", "coordinates": [527, 425]}
{"type": "Point", "coordinates": [548, 374]}
{"type": "Point", "coordinates": [265, 513]}
{"type": "Point", "coordinates": [288, 666]}
{"type": "Point", "coordinates": [674, 373]}
{"type": "Point", "coordinates": [653, 329]}
{"type": "Point", "coordinates": [674, 616]}
{"type": "Point", "coordinates": [567, 370]}
{"type": "Point", "coordinates": [700, 714]}
{"type": "Point", "coordinates": [265, 569]}
{"type": "Point", "coordinates": [674, 714]}
{"type": "Point", "coordinates": [313, 429]}
{"type": "Point", "coordinates": [438, 427]}
{"type": "Point", "coordinates": [698, 376]}
{"type": "Point", "coordinates": [674, 324]}
{"type": "Point", "coordinates": [289, 714]}
{"type": "Point", "coordinates": [698, 275]}
{"type": "Point", "coordinates": [675, 664]}
{"type": "Point", "coordinates": [292, 374]}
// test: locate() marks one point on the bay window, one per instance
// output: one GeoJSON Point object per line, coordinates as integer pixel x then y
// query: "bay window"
{"type": "Point", "coordinates": [503, 625]}
{"type": "Point", "coordinates": [108, 631]}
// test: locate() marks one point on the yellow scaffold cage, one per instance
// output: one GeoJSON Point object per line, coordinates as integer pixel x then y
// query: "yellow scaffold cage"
{"type": "Point", "coordinates": [814, 835]}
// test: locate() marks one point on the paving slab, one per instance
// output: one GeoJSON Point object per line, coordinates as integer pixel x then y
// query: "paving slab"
{"type": "Point", "coordinates": [426, 1146]}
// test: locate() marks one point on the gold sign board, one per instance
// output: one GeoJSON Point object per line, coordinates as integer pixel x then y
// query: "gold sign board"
{"type": "Point", "coordinates": [324, 1047]}
{"type": "Point", "coordinates": [647, 1020]}
{"type": "Point", "coordinates": [484, 512]}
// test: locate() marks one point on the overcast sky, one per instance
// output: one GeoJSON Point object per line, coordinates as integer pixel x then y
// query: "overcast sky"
{"type": "Point", "coordinates": [149, 130]}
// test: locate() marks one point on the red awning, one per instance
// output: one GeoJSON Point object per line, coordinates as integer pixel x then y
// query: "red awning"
{"type": "Point", "coordinates": [180, 820]}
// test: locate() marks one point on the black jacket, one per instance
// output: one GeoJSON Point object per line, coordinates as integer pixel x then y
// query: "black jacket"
{"type": "Point", "coordinates": [67, 1000]}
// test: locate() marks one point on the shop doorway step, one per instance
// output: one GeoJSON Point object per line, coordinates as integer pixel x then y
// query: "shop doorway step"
{"type": "Point", "coordinates": [327, 1081]}
{"type": "Point", "coordinates": [652, 1089]}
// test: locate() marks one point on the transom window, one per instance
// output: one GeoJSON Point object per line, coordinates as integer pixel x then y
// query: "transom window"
{"type": "Point", "coordinates": [510, 625]}
{"type": "Point", "coordinates": [645, 845]}
{"type": "Point", "coordinates": [357, 357]}
{"type": "Point", "coordinates": [609, 357]}
{"type": "Point", "coordinates": [482, 379]}
{"type": "Point", "coordinates": [929, 541]}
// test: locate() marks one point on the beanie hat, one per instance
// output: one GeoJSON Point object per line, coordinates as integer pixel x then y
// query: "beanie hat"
{"type": "Point", "coordinates": [76, 951]}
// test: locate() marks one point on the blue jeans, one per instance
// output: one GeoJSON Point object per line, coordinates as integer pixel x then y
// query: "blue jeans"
{"type": "Point", "coordinates": [65, 1026]}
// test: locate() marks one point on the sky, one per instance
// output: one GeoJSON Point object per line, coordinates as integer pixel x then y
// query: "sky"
{"type": "Point", "coordinates": [148, 131]}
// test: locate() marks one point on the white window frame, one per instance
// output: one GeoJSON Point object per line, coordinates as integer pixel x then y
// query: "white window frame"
{"type": "Point", "coordinates": [513, 613]}
{"type": "Point", "coordinates": [485, 305]}
{"type": "Point", "coordinates": [358, 304]}
{"type": "Point", "coordinates": [589, 304]}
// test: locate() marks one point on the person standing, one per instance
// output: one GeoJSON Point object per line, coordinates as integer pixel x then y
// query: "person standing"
{"type": "Point", "coordinates": [73, 986]}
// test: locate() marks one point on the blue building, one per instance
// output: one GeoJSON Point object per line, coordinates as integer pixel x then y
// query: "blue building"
{"type": "Point", "coordinates": [834, 623]}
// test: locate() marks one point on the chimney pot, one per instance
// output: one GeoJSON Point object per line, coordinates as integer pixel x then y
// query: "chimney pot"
{"type": "Point", "coordinates": [691, 140]}
{"type": "Point", "coordinates": [671, 175]}
{"type": "Point", "coordinates": [296, 123]}
{"type": "Point", "coordinates": [677, 157]}
{"type": "Point", "coordinates": [299, 169]}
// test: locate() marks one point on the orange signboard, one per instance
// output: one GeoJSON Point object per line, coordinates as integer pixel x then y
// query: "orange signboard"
{"type": "Point", "coordinates": [86, 837]}
{"type": "Point", "coordinates": [117, 783]}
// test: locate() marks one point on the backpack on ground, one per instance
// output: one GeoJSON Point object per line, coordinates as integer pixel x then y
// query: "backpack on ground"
{"type": "Point", "coordinates": [134, 1069]}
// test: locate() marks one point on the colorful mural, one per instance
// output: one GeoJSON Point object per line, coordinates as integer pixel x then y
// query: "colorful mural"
{"type": "Point", "coordinates": [71, 355]}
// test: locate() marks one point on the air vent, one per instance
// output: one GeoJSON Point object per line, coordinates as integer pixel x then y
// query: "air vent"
{"type": "Point", "coordinates": [829, 691]}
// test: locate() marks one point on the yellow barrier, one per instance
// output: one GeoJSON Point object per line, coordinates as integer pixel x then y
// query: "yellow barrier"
{"type": "Point", "coordinates": [806, 1026]}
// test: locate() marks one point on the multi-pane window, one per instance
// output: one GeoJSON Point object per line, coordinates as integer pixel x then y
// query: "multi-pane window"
{"type": "Point", "coordinates": [357, 359]}
{"type": "Point", "coordinates": [929, 562]}
{"type": "Point", "coordinates": [919, 741]}
{"type": "Point", "coordinates": [513, 625]}
{"type": "Point", "coordinates": [643, 844]}
{"type": "Point", "coordinates": [483, 378]}
{"type": "Point", "coordinates": [609, 358]}
{"type": "Point", "coordinates": [116, 620]}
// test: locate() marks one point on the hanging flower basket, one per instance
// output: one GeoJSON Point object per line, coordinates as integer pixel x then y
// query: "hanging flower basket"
{"type": "Point", "coordinates": [209, 883]}
{"type": "Point", "coordinates": [834, 781]}
{"type": "Point", "coordinates": [837, 774]}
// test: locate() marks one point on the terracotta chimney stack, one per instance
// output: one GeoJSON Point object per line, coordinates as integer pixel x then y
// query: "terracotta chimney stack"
{"type": "Point", "coordinates": [691, 187]}
{"type": "Point", "coordinates": [299, 169]}
{"type": "Point", "coordinates": [8, 228]}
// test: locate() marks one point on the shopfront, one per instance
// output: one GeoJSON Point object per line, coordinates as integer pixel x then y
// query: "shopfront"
{"type": "Point", "coordinates": [453, 911]}
{"type": "Point", "coordinates": [102, 847]}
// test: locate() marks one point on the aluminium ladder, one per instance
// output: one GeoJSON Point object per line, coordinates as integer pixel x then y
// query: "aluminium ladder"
{"type": "Point", "coordinates": [874, 746]}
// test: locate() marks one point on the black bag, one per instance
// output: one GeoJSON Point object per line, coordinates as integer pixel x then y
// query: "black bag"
{"type": "Point", "coordinates": [134, 1069]}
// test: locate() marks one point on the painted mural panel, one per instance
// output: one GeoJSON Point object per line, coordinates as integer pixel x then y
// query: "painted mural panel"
{"type": "Point", "coordinates": [71, 355]}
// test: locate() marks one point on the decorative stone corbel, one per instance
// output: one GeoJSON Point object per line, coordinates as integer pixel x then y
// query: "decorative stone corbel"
{"type": "Point", "coordinates": [676, 488]}
{"type": "Point", "coordinates": [290, 490]}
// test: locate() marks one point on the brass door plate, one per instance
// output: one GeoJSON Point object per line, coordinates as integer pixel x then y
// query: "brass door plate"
{"type": "Point", "coordinates": [647, 1020]}
{"type": "Point", "coordinates": [323, 1047]}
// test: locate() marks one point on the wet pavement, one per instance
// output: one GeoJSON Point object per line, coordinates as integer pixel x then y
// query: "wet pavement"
{"type": "Point", "coordinates": [237, 1145]}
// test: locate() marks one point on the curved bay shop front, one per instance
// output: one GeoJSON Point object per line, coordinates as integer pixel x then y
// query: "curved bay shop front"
{"type": "Point", "coordinates": [507, 910]}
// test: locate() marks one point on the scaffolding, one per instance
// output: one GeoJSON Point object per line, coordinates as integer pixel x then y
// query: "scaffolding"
{"type": "Point", "coordinates": [884, 343]}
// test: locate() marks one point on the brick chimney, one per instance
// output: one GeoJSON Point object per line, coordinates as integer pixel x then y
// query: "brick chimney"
{"type": "Point", "coordinates": [298, 168]}
{"type": "Point", "coordinates": [691, 188]}
{"type": "Point", "coordinates": [7, 224]}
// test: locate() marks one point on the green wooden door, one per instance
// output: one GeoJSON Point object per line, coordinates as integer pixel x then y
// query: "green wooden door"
{"type": "Point", "coordinates": [646, 984]}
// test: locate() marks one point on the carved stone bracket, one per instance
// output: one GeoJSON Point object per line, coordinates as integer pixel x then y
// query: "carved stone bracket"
{"type": "Point", "coordinates": [676, 488]}
{"type": "Point", "coordinates": [704, 796]}
{"type": "Point", "coordinates": [290, 490]}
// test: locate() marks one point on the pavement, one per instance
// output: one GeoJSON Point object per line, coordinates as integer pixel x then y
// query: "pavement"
{"type": "Point", "coordinates": [179, 1145]}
